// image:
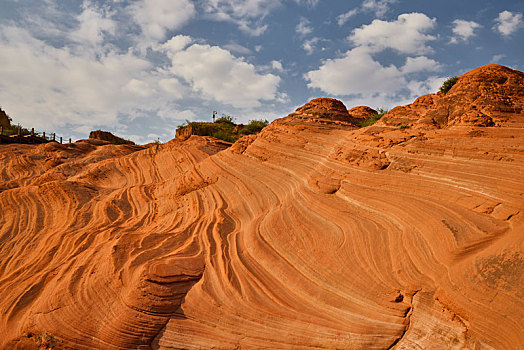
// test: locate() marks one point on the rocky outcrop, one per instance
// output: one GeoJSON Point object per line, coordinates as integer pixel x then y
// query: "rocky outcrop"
{"type": "Point", "coordinates": [109, 137]}
{"type": "Point", "coordinates": [491, 95]}
{"type": "Point", "coordinates": [361, 113]}
{"type": "Point", "coordinates": [311, 234]}
{"type": "Point", "coordinates": [323, 108]}
{"type": "Point", "coordinates": [4, 119]}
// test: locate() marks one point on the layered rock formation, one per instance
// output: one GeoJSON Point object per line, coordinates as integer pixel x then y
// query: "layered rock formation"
{"type": "Point", "coordinates": [323, 108]}
{"type": "Point", "coordinates": [491, 95]}
{"type": "Point", "coordinates": [311, 234]}
{"type": "Point", "coordinates": [361, 113]}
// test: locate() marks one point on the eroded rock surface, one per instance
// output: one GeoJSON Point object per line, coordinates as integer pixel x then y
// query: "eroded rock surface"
{"type": "Point", "coordinates": [491, 95]}
{"type": "Point", "coordinates": [311, 234]}
{"type": "Point", "coordinates": [323, 108]}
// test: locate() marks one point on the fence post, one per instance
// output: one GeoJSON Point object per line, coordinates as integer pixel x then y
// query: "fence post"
{"type": "Point", "coordinates": [60, 139]}
{"type": "Point", "coordinates": [19, 134]}
{"type": "Point", "coordinates": [43, 135]}
{"type": "Point", "coordinates": [54, 136]}
{"type": "Point", "coordinates": [69, 140]}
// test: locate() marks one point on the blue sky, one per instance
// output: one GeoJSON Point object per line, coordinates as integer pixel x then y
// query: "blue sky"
{"type": "Point", "coordinates": [140, 68]}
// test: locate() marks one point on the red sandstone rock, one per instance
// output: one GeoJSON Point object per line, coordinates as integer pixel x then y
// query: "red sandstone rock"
{"type": "Point", "coordinates": [361, 113]}
{"type": "Point", "coordinates": [491, 95]}
{"type": "Point", "coordinates": [303, 236]}
{"type": "Point", "coordinates": [323, 108]}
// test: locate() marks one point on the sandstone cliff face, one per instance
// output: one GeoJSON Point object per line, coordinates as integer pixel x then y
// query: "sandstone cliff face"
{"type": "Point", "coordinates": [491, 95]}
{"type": "Point", "coordinates": [311, 234]}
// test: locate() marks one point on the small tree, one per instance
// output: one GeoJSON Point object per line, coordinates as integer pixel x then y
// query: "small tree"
{"type": "Point", "coordinates": [448, 84]}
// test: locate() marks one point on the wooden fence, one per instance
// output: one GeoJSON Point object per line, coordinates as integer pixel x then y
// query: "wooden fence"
{"type": "Point", "coordinates": [32, 138]}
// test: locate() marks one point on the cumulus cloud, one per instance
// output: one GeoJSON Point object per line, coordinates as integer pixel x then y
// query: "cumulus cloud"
{"type": "Point", "coordinates": [420, 64]}
{"type": "Point", "coordinates": [303, 28]}
{"type": "Point", "coordinates": [508, 23]}
{"type": "Point", "coordinates": [405, 35]}
{"type": "Point", "coordinates": [463, 30]}
{"type": "Point", "coordinates": [359, 75]}
{"type": "Point", "coordinates": [355, 73]}
{"type": "Point", "coordinates": [156, 17]}
{"type": "Point", "coordinates": [94, 23]}
{"type": "Point", "coordinates": [218, 75]}
{"type": "Point", "coordinates": [44, 86]}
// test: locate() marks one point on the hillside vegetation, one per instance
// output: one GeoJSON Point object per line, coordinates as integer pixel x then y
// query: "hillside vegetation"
{"type": "Point", "coordinates": [224, 128]}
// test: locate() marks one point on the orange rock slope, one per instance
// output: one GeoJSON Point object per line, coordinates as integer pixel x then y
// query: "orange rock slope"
{"type": "Point", "coordinates": [312, 234]}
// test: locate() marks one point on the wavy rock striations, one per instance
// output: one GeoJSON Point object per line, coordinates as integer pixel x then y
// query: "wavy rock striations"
{"type": "Point", "coordinates": [311, 234]}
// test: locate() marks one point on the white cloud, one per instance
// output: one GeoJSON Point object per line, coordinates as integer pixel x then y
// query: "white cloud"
{"type": "Point", "coordinates": [310, 44]}
{"type": "Point", "coordinates": [463, 30]}
{"type": "Point", "coordinates": [247, 14]}
{"type": "Point", "coordinates": [94, 24]}
{"type": "Point", "coordinates": [378, 7]}
{"type": "Point", "coordinates": [138, 88]}
{"type": "Point", "coordinates": [218, 75]}
{"type": "Point", "coordinates": [44, 86]}
{"type": "Point", "coordinates": [367, 82]}
{"type": "Point", "coordinates": [303, 28]}
{"type": "Point", "coordinates": [406, 34]}
{"type": "Point", "coordinates": [277, 65]}
{"type": "Point", "coordinates": [508, 22]}
{"type": "Point", "coordinates": [343, 18]}
{"type": "Point", "coordinates": [497, 58]}
{"type": "Point", "coordinates": [355, 73]}
{"type": "Point", "coordinates": [359, 75]}
{"type": "Point", "coordinates": [420, 64]}
{"type": "Point", "coordinates": [308, 3]}
{"type": "Point", "coordinates": [176, 43]}
{"type": "Point", "coordinates": [237, 48]}
{"type": "Point", "coordinates": [156, 17]}
{"type": "Point", "coordinates": [173, 87]}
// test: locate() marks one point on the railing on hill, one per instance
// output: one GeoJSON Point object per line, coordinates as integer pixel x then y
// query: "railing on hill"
{"type": "Point", "coordinates": [24, 136]}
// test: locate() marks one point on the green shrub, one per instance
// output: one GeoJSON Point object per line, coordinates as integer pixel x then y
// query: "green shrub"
{"type": "Point", "coordinates": [253, 127]}
{"type": "Point", "coordinates": [448, 84]}
{"type": "Point", "coordinates": [225, 119]}
{"type": "Point", "coordinates": [373, 119]}
{"type": "Point", "coordinates": [403, 126]}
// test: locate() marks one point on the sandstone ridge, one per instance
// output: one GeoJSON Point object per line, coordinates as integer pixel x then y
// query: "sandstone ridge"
{"type": "Point", "coordinates": [490, 95]}
{"type": "Point", "coordinates": [311, 234]}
